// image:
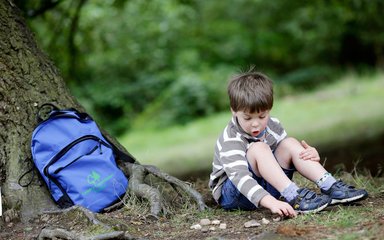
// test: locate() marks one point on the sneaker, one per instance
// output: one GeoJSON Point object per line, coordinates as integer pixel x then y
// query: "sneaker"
{"type": "Point", "coordinates": [308, 201]}
{"type": "Point", "coordinates": [341, 192]}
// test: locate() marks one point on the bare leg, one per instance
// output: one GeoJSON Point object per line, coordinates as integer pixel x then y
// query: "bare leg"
{"type": "Point", "coordinates": [288, 152]}
{"type": "Point", "coordinates": [264, 164]}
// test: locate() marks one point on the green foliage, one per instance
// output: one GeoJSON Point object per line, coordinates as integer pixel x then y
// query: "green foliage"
{"type": "Point", "coordinates": [164, 62]}
{"type": "Point", "coordinates": [305, 79]}
{"type": "Point", "coordinates": [191, 96]}
{"type": "Point", "coordinates": [332, 116]}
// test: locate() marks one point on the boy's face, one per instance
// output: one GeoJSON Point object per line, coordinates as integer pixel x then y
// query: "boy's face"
{"type": "Point", "coordinates": [252, 123]}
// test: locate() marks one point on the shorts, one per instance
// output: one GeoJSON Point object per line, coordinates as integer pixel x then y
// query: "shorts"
{"type": "Point", "coordinates": [231, 198]}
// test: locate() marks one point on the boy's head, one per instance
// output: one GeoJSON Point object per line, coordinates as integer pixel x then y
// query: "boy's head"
{"type": "Point", "coordinates": [250, 92]}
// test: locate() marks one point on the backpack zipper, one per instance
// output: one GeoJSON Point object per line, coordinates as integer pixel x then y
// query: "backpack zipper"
{"type": "Point", "coordinates": [69, 146]}
{"type": "Point", "coordinates": [63, 152]}
{"type": "Point", "coordinates": [88, 153]}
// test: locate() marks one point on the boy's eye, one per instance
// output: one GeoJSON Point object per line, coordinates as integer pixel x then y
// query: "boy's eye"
{"type": "Point", "coordinates": [247, 118]}
{"type": "Point", "coordinates": [262, 117]}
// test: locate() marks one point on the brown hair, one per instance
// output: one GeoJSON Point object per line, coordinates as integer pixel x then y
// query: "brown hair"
{"type": "Point", "coordinates": [250, 92]}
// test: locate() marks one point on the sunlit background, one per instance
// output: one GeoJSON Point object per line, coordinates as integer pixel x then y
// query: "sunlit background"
{"type": "Point", "coordinates": [154, 73]}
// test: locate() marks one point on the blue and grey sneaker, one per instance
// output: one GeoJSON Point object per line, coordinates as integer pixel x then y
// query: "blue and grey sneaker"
{"type": "Point", "coordinates": [308, 201]}
{"type": "Point", "coordinates": [341, 192]}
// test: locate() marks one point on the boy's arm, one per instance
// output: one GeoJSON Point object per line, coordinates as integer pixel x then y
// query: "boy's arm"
{"type": "Point", "coordinates": [278, 207]}
{"type": "Point", "coordinates": [279, 133]}
{"type": "Point", "coordinates": [309, 153]}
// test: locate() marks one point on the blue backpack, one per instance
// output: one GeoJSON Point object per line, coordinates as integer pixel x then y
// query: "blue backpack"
{"type": "Point", "coordinates": [76, 162]}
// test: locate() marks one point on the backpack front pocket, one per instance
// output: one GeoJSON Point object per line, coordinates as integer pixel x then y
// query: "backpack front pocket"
{"type": "Point", "coordinates": [88, 175]}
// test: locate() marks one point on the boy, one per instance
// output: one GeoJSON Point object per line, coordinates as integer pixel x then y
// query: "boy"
{"type": "Point", "coordinates": [254, 159]}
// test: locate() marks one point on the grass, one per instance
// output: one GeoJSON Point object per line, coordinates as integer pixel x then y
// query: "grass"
{"type": "Point", "coordinates": [345, 222]}
{"type": "Point", "coordinates": [347, 109]}
{"type": "Point", "coordinates": [364, 220]}
{"type": "Point", "coordinates": [349, 221]}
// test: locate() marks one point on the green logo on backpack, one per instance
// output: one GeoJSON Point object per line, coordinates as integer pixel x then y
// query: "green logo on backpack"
{"type": "Point", "coordinates": [98, 184]}
{"type": "Point", "coordinates": [93, 178]}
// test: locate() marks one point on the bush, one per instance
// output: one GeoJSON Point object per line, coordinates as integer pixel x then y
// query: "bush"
{"type": "Point", "coordinates": [304, 79]}
{"type": "Point", "coordinates": [192, 95]}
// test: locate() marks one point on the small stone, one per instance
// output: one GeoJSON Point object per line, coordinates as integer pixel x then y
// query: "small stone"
{"type": "Point", "coordinates": [252, 223]}
{"type": "Point", "coordinates": [204, 230]}
{"type": "Point", "coordinates": [223, 226]}
{"type": "Point", "coordinates": [278, 219]}
{"type": "Point", "coordinates": [212, 229]}
{"type": "Point", "coordinates": [45, 218]}
{"type": "Point", "coordinates": [196, 227]}
{"type": "Point", "coordinates": [215, 222]}
{"type": "Point", "coordinates": [205, 221]}
{"type": "Point", "coordinates": [265, 221]}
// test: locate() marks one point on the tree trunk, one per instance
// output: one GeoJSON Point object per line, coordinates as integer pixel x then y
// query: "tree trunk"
{"type": "Point", "coordinates": [27, 79]}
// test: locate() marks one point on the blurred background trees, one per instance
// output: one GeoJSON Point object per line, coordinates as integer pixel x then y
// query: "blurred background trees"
{"type": "Point", "coordinates": [157, 63]}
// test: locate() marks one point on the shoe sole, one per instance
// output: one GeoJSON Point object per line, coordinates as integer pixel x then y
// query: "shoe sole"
{"type": "Point", "coordinates": [313, 210]}
{"type": "Point", "coordinates": [348, 200]}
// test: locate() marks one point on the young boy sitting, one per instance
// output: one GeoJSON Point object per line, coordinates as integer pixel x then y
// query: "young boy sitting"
{"type": "Point", "coordinates": [255, 160]}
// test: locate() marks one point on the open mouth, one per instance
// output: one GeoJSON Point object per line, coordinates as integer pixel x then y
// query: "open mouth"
{"type": "Point", "coordinates": [255, 133]}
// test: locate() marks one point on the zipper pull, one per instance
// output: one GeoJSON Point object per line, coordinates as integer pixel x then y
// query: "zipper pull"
{"type": "Point", "coordinates": [100, 151]}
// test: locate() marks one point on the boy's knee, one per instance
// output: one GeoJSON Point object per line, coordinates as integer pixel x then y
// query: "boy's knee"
{"type": "Point", "coordinates": [255, 153]}
{"type": "Point", "coordinates": [259, 146]}
{"type": "Point", "coordinates": [257, 150]}
{"type": "Point", "coordinates": [289, 141]}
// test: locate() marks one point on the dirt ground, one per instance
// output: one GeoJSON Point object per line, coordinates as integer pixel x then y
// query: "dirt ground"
{"type": "Point", "coordinates": [141, 227]}
{"type": "Point", "coordinates": [179, 226]}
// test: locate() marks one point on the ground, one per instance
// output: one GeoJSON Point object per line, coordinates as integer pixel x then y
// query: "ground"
{"type": "Point", "coordinates": [369, 226]}
{"type": "Point", "coordinates": [364, 220]}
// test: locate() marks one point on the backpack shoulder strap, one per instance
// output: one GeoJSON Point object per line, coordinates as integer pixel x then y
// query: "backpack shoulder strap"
{"type": "Point", "coordinates": [122, 155]}
{"type": "Point", "coordinates": [50, 110]}
{"type": "Point", "coordinates": [119, 154]}
{"type": "Point", "coordinates": [54, 111]}
{"type": "Point", "coordinates": [39, 116]}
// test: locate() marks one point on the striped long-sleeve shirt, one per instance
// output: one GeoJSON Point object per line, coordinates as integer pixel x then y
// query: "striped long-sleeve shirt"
{"type": "Point", "coordinates": [230, 159]}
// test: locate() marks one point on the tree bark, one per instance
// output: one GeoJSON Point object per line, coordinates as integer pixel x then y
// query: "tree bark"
{"type": "Point", "coordinates": [27, 79]}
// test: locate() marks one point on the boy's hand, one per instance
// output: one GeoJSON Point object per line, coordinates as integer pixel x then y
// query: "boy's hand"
{"type": "Point", "coordinates": [309, 153]}
{"type": "Point", "coordinates": [279, 207]}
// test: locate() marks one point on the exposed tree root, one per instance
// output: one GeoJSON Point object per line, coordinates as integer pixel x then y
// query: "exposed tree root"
{"type": "Point", "coordinates": [178, 184]}
{"type": "Point", "coordinates": [91, 216]}
{"type": "Point", "coordinates": [56, 233]}
{"type": "Point", "coordinates": [138, 187]}
{"type": "Point", "coordinates": [64, 234]}
{"type": "Point", "coordinates": [143, 190]}
{"type": "Point", "coordinates": [106, 230]}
